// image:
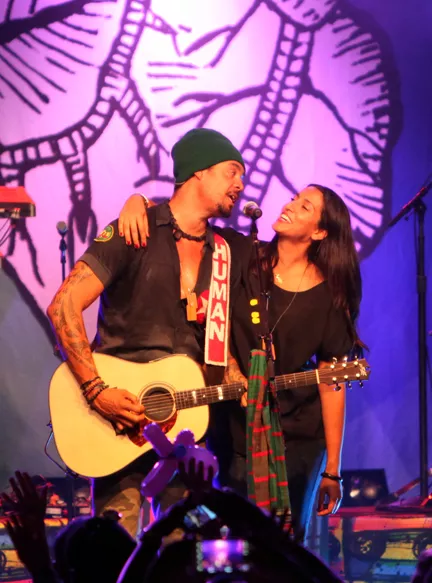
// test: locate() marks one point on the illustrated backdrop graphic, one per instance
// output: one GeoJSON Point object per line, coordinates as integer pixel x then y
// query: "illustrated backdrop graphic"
{"type": "Point", "coordinates": [318, 76]}
{"type": "Point", "coordinates": [94, 94]}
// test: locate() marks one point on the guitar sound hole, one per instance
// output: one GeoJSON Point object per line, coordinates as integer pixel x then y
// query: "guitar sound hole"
{"type": "Point", "coordinates": [158, 404]}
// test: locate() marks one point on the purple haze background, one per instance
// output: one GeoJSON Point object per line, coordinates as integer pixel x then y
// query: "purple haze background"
{"type": "Point", "coordinates": [85, 182]}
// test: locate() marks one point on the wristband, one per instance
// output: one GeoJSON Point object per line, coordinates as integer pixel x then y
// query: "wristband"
{"type": "Point", "coordinates": [146, 200]}
{"type": "Point", "coordinates": [88, 383]}
{"type": "Point", "coordinates": [332, 477]}
{"type": "Point", "coordinates": [89, 389]}
{"type": "Point", "coordinates": [99, 388]}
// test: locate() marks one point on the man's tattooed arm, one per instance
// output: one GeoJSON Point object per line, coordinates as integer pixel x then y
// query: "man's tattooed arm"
{"type": "Point", "coordinates": [79, 290]}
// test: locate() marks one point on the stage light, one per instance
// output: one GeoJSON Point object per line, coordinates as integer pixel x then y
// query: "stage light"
{"type": "Point", "coordinates": [364, 487]}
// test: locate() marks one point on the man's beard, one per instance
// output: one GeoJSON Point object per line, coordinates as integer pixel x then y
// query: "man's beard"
{"type": "Point", "coordinates": [223, 212]}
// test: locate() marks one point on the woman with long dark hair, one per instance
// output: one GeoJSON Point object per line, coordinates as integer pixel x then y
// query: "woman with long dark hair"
{"type": "Point", "coordinates": [311, 272]}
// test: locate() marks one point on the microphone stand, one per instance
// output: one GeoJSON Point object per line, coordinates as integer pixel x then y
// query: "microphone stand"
{"type": "Point", "coordinates": [263, 304]}
{"type": "Point", "coordinates": [417, 206]}
{"type": "Point", "coordinates": [63, 249]}
{"type": "Point", "coordinates": [62, 231]}
{"type": "Point", "coordinates": [69, 474]}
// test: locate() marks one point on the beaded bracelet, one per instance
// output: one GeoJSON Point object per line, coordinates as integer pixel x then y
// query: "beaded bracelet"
{"type": "Point", "coordinates": [96, 393]}
{"type": "Point", "coordinates": [86, 392]}
{"type": "Point", "coordinates": [101, 387]}
{"type": "Point", "coordinates": [332, 477]}
{"type": "Point", "coordinates": [88, 383]}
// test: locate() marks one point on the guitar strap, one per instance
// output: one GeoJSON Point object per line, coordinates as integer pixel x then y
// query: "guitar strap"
{"type": "Point", "coordinates": [216, 338]}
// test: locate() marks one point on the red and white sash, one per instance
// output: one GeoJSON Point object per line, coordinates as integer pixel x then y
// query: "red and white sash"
{"type": "Point", "coordinates": [216, 338]}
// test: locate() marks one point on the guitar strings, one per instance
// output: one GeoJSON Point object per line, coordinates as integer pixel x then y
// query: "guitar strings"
{"type": "Point", "coordinates": [214, 391]}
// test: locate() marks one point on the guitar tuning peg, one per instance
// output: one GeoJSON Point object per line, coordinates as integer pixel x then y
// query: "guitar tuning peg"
{"type": "Point", "coordinates": [361, 384]}
{"type": "Point", "coordinates": [337, 387]}
{"type": "Point", "coordinates": [334, 359]}
{"type": "Point", "coordinates": [349, 384]}
{"type": "Point", "coordinates": [345, 358]}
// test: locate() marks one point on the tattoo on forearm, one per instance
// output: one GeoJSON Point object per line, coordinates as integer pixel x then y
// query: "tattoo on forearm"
{"type": "Point", "coordinates": [69, 326]}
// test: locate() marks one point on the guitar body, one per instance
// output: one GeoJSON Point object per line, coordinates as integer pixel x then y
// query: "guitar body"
{"type": "Point", "coordinates": [174, 395]}
{"type": "Point", "coordinates": [88, 444]}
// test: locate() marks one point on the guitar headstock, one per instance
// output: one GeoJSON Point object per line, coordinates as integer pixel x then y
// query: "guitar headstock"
{"type": "Point", "coordinates": [345, 371]}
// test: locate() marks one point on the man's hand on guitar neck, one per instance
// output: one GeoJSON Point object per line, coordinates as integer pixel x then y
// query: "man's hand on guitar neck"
{"type": "Point", "coordinates": [120, 407]}
{"type": "Point", "coordinates": [233, 374]}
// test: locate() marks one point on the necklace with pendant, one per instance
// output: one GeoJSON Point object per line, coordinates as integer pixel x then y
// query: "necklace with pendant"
{"type": "Point", "coordinates": [279, 279]}
{"type": "Point", "coordinates": [190, 295]}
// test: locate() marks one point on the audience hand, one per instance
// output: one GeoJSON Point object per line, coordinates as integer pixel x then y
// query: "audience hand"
{"type": "Point", "coordinates": [196, 479]}
{"type": "Point", "coordinates": [28, 501]}
{"type": "Point", "coordinates": [25, 523]}
{"type": "Point", "coordinates": [151, 540]}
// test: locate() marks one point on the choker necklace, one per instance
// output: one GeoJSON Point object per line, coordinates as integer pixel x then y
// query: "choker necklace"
{"type": "Point", "coordinates": [179, 233]}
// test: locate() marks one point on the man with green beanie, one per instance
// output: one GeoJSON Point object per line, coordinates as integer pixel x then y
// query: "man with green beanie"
{"type": "Point", "coordinates": [168, 297]}
{"type": "Point", "coordinates": [200, 149]}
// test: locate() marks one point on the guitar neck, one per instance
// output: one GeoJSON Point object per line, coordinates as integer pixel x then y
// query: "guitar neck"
{"type": "Point", "coordinates": [208, 395]}
{"type": "Point", "coordinates": [234, 391]}
{"type": "Point", "coordinates": [297, 380]}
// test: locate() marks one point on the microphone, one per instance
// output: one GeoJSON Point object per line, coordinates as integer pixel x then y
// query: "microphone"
{"type": "Point", "coordinates": [252, 210]}
{"type": "Point", "coordinates": [62, 228]}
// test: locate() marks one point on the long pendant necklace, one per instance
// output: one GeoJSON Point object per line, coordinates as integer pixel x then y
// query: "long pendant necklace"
{"type": "Point", "coordinates": [191, 298]}
{"type": "Point", "coordinates": [292, 299]}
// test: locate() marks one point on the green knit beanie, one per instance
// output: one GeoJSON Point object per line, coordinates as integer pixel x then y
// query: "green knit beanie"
{"type": "Point", "coordinates": [199, 149]}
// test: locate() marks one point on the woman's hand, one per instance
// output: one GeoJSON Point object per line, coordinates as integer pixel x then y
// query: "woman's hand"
{"type": "Point", "coordinates": [329, 496]}
{"type": "Point", "coordinates": [133, 223]}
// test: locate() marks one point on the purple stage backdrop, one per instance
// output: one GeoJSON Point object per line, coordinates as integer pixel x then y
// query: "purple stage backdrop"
{"type": "Point", "coordinates": [94, 93]}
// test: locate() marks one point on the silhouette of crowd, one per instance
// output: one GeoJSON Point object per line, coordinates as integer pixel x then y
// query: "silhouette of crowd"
{"type": "Point", "coordinates": [238, 542]}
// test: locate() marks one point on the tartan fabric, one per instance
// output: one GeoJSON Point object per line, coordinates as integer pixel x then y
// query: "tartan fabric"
{"type": "Point", "coordinates": [267, 477]}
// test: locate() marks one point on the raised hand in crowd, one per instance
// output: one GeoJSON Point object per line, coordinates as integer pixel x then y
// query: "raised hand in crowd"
{"type": "Point", "coordinates": [196, 477]}
{"type": "Point", "coordinates": [25, 525]}
{"type": "Point", "coordinates": [151, 540]}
